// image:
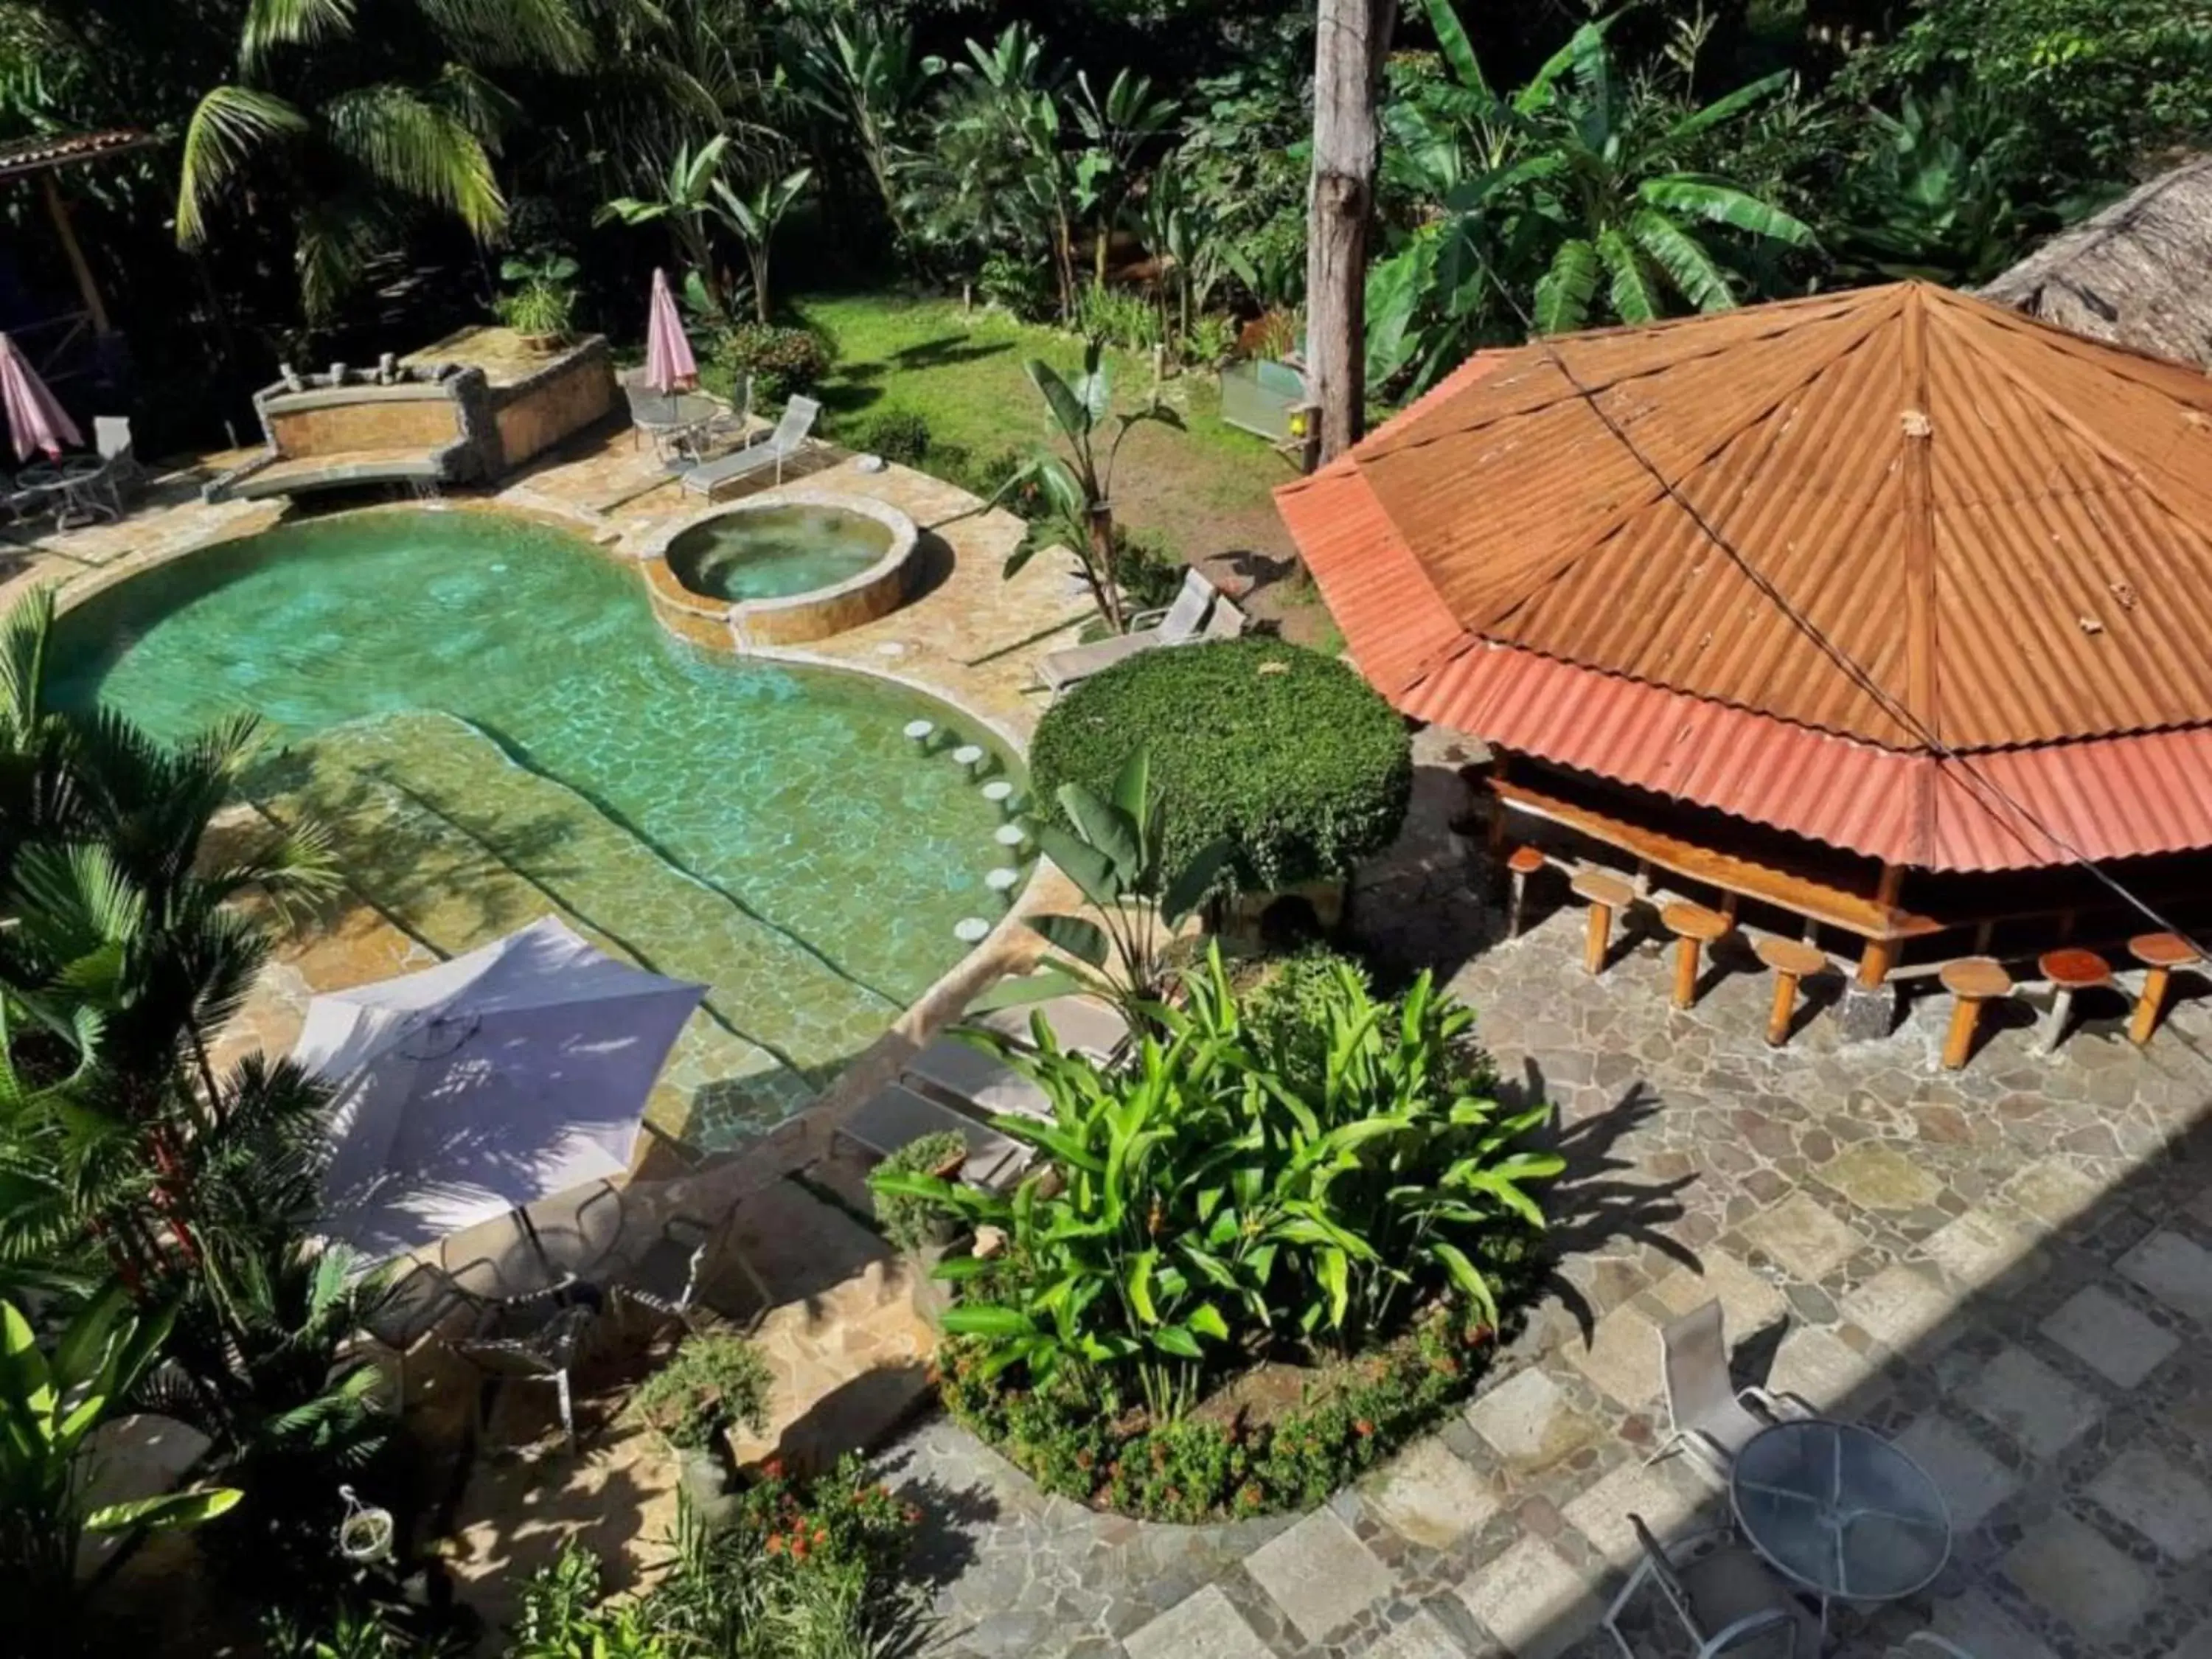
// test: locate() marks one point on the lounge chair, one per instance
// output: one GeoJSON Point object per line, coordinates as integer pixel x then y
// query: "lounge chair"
{"type": "Point", "coordinates": [111, 438]}
{"type": "Point", "coordinates": [962, 1075]}
{"type": "Point", "coordinates": [1707, 1413]}
{"type": "Point", "coordinates": [1727, 1599]}
{"type": "Point", "coordinates": [895, 1116]}
{"type": "Point", "coordinates": [1079, 1024]}
{"type": "Point", "coordinates": [1179, 624]}
{"type": "Point", "coordinates": [789, 437]}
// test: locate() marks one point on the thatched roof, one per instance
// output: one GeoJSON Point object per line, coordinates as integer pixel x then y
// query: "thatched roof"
{"type": "Point", "coordinates": [2139, 273]}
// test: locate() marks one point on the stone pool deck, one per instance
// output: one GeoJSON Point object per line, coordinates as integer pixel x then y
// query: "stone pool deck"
{"type": "Point", "coordinates": [2008, 1269]}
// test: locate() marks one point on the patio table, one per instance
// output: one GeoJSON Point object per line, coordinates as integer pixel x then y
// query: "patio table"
{"type": "Point", "coordinates": [1840, 1510]}
{"type": "Point", "coordinates": [674, 423]}
{"type": "Point", "coordinates": [76, 485]}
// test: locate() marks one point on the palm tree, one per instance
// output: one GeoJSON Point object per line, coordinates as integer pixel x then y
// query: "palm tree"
{"type": "Point", "coordinates": [125, 945]}
{"type": "Point", "coordinates": [350, 150]}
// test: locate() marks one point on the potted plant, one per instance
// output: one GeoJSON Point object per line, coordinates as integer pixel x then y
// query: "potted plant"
{"type": "Point", "coordinates": [544, 302]}
{"type": "Point", "coordinates": [915, 1224]}
{"type": "Point", "coordinates": [714, 1382]}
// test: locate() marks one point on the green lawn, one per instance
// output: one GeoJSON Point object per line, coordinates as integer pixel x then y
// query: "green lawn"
{"type": "Point", "coordinates": [1203, 489]}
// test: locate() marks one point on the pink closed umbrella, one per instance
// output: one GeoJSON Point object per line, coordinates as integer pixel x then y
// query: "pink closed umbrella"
{"type": "Point", "coordinates": [35, 419]}
{"type": "Point", "coordinates": [670, 367]}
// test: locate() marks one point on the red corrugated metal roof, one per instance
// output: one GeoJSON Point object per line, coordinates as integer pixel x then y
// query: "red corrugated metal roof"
{"type": "Point", "coordinates": [1537, 587]}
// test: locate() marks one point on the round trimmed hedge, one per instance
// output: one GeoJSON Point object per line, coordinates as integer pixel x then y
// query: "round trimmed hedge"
{"type": "Point", "coordinates": [1289, 754]}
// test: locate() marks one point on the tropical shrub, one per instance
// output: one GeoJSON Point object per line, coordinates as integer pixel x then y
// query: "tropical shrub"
{"type": "Point", "coordinates": [715, 1382]}
{"type": "Point", "coordinates": [906, 1221]}
{"type": "Point", "coordinates": [1113, 847]}
{"type": "Point", "coordinates": [1285, 754]}
{"type": "Point", "coordinates": [1228, 1193]}
{"type": "Point", "coordinates": [898, 434]}
{"type": "Point", "coordinates": [783, 363]}
{"type": "Point", "coordinates": [1073, 495]}
{"type": "Point", "coordinates": [54, 1395]}
{"type": "Point", "coordinates": [544, 299]}
{"type": "Point", "coordinates": [1019, 286]}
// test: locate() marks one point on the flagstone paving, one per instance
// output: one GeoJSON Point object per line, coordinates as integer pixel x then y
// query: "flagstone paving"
{"type": "Point", "coordinates": [2007, 1270]}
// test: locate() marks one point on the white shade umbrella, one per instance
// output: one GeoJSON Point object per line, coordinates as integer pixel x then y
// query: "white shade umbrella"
{"type": "Point", "coordinates": [483, 1085]}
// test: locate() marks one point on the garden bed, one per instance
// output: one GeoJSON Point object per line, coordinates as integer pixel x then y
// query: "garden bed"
{"type": "Point", "coordinates": [1276, 1437]}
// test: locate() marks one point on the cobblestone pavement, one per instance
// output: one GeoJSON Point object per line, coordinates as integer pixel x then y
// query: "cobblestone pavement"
{"type": "Point", "coordinates": [2009, 1270]}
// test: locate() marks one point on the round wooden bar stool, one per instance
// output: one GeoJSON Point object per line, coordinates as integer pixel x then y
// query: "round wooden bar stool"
{"type": "Point", "coordinates": [1694, 927]}
{"type": "Point", "coordinates": [2070, 971]}
{"type": "Point", "coordinates": [2159, 954]}
{"type": "Point", "coordinates": [1972, 982]}
{"type": "Point", "coordinates": [1606, 894]}
{"type": "Point", "coordinates": [1522, 863]}
{"type": "Point", "coordinates": [1792, 960]}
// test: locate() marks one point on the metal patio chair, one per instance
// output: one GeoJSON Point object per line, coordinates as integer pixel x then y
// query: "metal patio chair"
{"type": "Point", "coordinates": [674, 1275]}
{"type": "Point", "coordinates": [544, 1356]}
{"type": "Point", "coordinates": [1728, 1601]}
{"type": "Point", "coordinates": [1706, 1412]}
{"type": "Point", "coordinates": [411, 1310]}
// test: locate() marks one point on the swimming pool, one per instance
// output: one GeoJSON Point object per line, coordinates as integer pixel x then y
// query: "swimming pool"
{"type": "Point", "coordinates": [773, 552]}
{"type": "Point", "coordinates": [488, 712]}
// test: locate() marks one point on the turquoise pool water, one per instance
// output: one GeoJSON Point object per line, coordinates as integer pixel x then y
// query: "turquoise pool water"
{"type": "Point", "coordinates": [770, 552]}
{"type": "Point", "coordinates": [483, 694]}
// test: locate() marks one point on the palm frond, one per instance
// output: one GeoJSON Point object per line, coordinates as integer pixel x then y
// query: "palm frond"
{"type": "Point", "coordinates": [419, 148]}
{"type": "Point", "coordinates": [273, 23]}
{"type": "Point", "coordinates": [545, 33]}
{"type": "Point", "coordinates": [228, 125]}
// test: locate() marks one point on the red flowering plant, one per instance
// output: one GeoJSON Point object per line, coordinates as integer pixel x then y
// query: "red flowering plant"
{"type": "Point", "coordinates": [843, 1519]}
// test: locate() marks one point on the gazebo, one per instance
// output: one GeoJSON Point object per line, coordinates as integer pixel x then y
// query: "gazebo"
{"type": "Point", "coordinates": [1885, 613]}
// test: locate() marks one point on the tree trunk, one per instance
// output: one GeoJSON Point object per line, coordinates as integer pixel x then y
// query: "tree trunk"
{"type": "Point", "coordinates": [1351, 41]}
{"type": "Point", "coordinates": [1102, 559]}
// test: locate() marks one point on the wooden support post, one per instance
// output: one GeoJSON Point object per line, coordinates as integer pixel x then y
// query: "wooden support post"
{"type": "Point", "coordinates": [1959, 1038]}
{"type": "Point", "coordinates": [1685, 972]}
{"type": "Point", "coordinates": [1875, 962]}
{"type": "Point", "coordinates": [1598, 939]}
{"type": "Point", "coordinates": [88, 291]}
{"type": "Point", "coordinates": [1785, 1004]}
{"type": "Point", "coordinates": [2144, 1020]}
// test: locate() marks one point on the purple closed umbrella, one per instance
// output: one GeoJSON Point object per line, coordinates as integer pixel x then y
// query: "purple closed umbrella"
{"type": "Point", "coordinates": [35, 419]}
{"type": "Point", "coordinates": [670, 367]}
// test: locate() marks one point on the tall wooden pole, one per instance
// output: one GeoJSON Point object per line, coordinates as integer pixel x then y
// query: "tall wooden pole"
{"type": "Point", "coordinates": [1350, 42]}
{"type": "Point", "coordinates": [88, 291]}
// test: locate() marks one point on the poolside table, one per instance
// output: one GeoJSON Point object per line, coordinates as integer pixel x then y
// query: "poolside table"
{"type": "Point", "coordinates": [1840, 1511]}
{"type": "Point", "coordinates": [675, 423]}
{"type": "Point", "coordinates": [77, 487]}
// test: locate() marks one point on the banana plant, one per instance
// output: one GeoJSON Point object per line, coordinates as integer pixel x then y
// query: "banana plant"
{"type": "Point", "coordinates": [53, 1399]}
{"type": "Point", "coordinates": [685, 198]}
{"type": "Point", "coordinates": [1112, 851]}
{"type": "Point", "coordinates": [1078, 489]}
{"type": "Point", "coordinates": [753, 218]}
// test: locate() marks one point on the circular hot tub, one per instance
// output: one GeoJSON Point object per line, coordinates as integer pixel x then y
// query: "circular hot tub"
{"type": "Point", "coordinates": [774, 552]}
{"type": "Point", "coordinates": [783, 571]}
